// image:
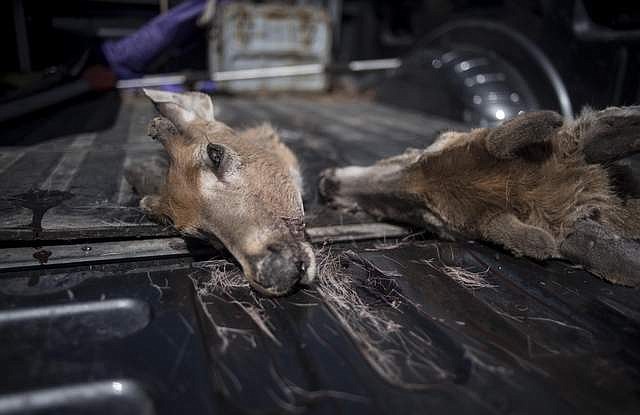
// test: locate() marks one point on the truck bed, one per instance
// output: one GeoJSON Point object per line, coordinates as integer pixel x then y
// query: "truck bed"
{"type": "Point", "coordinates": [103, 311]}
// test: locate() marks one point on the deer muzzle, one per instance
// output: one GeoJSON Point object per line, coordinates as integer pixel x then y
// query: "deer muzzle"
{"type": "Point", "coordinates": [281, 268]}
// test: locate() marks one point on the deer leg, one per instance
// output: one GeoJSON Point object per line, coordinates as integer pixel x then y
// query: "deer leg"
{"type": "Point", "coordinates": [409, 156]}
{"type": "Point", "coordinates": [632, 218]}
{"type": "Point", "coordinates": [147, 177]}
{"type": "Point", "coordinates": [343, 186]}
{"type": "Point", "coordinates": [154, 207]}
{"type": "Point", "coordinates": [377, 190]}
{"type": "Point", "coordinates": [625, 220]}
{"type": "Point", "coordinates": [510, 138]}
{"type": "Point", "coordinates": [610, 134]}
{"type": "Point", "coordinates": [161, 129]}
{"type": "Point", "coordinates": [603, 252]}
{"type": "Point", "coordinates": [522, 239]}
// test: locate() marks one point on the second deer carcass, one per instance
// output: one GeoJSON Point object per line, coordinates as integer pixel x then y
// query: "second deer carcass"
{"type": "Point", "coordinates": [240, 187]}
{"type": "Point", "coordinates": [537, 185]}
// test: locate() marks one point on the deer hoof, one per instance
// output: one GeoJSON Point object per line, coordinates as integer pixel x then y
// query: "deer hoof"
{"type": "Point", "coordinates": [161, 129]}
{"type": "Point", "coordinates": [328, 186]}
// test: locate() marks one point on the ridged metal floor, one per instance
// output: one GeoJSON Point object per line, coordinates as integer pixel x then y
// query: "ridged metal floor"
{"type": "Point", "coordinates": [73, 186]}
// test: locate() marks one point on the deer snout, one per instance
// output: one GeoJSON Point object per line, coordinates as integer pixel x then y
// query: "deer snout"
{"type": "Point", "coordinates": [283, 267]}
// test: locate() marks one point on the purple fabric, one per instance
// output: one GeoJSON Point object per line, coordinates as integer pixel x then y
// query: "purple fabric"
{"type": "Point", "coordinates": [129, 56]}
{"type": "Point", "coordinates": [171, 88]}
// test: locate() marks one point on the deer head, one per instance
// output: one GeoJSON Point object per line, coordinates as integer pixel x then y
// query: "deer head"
{"type": "Point", "coordinates": [242, 188]}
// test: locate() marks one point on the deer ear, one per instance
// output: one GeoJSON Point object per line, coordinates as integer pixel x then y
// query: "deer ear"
{"type": "Point", "coordinates": [182, 109]}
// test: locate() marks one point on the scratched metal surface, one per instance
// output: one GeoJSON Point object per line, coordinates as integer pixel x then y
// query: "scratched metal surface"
{"type": "Point", "coordinates": [72, 185]}
{"type": "Point", "coordinates": [535, 339]}
{"type": "Point", "coordinates": [456, 327]}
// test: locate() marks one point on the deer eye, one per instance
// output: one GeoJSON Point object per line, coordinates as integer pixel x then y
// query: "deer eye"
{"type": "Point", "coordinates": [216, 154]}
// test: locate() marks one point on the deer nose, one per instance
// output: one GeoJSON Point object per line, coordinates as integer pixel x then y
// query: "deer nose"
{"type": "Point", "coordinates": [281, 269]}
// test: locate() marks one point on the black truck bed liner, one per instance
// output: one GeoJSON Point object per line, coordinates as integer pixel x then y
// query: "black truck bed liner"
{"type": "Point", "coordinates": [131, 334]}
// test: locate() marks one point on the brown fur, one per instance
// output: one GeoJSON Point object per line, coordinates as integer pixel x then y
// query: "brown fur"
{"type": "Point", "coordinates": [524, 185]}
{"type": "Point", "coordinates": [267, 164]}
{"type": "Point", "coordinates": [240, 187]}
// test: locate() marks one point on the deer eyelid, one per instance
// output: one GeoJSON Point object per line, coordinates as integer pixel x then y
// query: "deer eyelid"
{"type": "Point", "coordinates": [216, 154]}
